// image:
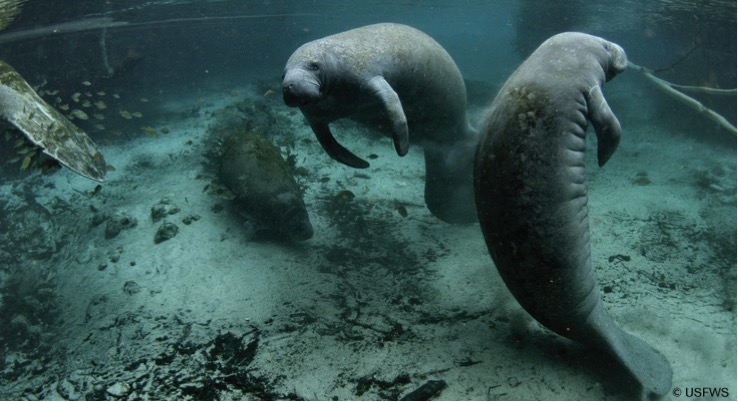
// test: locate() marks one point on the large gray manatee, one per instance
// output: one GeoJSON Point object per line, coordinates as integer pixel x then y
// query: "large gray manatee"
{"type": "Point", "coordinates": [531, 195]}
{"type": "Point", "coordinates": [400, 81]}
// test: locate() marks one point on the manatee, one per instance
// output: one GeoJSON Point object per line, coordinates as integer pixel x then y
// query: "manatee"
{"type": "Point", "coordinates": [531, 195]}
{"type": "Point", "coordinates": [46, 127]}
{"type": "Point", "coordinates": [398, 80]}
{"type": "Point", "coordinates": [262, 184]}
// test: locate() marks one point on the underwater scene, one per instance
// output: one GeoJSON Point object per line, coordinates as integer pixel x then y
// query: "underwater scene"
{"type": "Point", "coordinates": [367, 200]}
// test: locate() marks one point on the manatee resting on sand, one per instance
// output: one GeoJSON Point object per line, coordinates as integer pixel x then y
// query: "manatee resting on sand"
{"type": "Point", "coordinates": [44, 126]}
{"type": "Point", "coordinates": [531, 195]}
{"type": "Point", "coordinates": [261, 181]}
{"type": "Point", "coordinates": [398, 80]}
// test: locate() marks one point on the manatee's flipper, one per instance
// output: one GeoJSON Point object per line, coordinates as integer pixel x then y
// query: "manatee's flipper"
{"type": "Point", "coordinates": [21, 106]}
{"type": "Point", "coordinates": [645, 364]}
{"type": "Point", "coordinates": [380, 87]}
{"type": "Point", "coordinates": [605, 124]}
{"type": "Point", "coordinates": [334, 149]}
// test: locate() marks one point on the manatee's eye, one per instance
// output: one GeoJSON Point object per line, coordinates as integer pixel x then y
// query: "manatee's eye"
{"type": "Point", "coordinates": [313, 66]}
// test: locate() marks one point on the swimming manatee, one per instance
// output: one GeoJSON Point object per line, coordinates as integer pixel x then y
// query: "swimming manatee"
{"type": "Point", "coordinates": [401, 82]}
{"type": "Point", "coordinates": [531, 195]}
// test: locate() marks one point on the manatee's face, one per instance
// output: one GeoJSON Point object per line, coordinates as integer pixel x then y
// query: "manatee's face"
{"type": "Point", "coordinates": [616, 61]}
{"type": "Point", "coordinates": [301, 85]}
{"type": "Point", "coordinates": [294, 222]}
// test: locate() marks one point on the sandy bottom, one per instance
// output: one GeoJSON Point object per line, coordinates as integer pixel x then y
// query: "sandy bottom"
{"type": "Point", "coordinates": [384, 297]}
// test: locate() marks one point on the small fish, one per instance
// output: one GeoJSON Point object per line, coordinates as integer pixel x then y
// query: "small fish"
{"type": "Point", "coordinates": [99, 116]}
{"type": "Point", "coordinates": [101, 105]}
{"type": "Point", "coordinates": [100, 93]}
{"type": "Point", "coordinates": [88, 94]}
{"type": "Point", "coordinates": [26, 163]}
{"type": "Point", "coordinates": [116, 96]}
{"type": "Point", "coordinates": [269, 93]}
{"type": "Point", "coordinates": [137, 115]}
{"type": "Point", "coordinates": [75, 96]}
{"type": "Point", "coordinates": [126, 114]}
{"type": "Point", "coordinates": [96, 190]}
{"type": "Point", "coordinates": [144, 100]}
{"type": "Point", "coordinates": [86, 103]}
{"type": "Point", "coordinates": [64, 107]}
{"type": "Point", "coordinates": [400, 208]}
{"type": "Point", "coordinates": [80, 114]}
{"type": "Point", "coordinates": [150, 131]}
{"type": "Point", "coordinates": [86, 83]}
{"type": "Point", "coordinates": [99, 127]}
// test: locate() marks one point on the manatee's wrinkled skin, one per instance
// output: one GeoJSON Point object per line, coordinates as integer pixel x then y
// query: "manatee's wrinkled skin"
{"type": "Point", "coordinates": [253, 169]}
{"type": "Point", "coordinates": [531, 195]}
{"type": "Point", "coordinates": [398, 80]}
{"type": "Point", "coordinates": [21, 106]}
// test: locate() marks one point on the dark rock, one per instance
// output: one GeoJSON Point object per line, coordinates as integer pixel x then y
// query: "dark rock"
{"type": "Point", "coordinates": [162, 209]}
{"type": "Point", "coordinates": [166, 231]}
{"type": "Point", "coordinates": [117, 223]}
{"type": "Point", "coordinates": [426, 391]}
{"type": "Point", "coordinates": [190, 218]}
{"type": "Point", "coordinates": [131, 288]}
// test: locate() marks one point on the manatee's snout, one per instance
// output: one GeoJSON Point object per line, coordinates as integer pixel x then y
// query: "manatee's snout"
{"type": "Point", "coordinates": [289, 95]}
{"type": "Point", "coordinates": [299, 87]}
{"type": "Point", "coordinates": [618, 60]}
{"type": "Point", "coordinates": [296, 224]}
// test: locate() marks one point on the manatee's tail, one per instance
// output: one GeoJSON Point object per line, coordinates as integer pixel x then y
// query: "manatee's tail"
{"type": "Point", "coordinates": [449, 192]}
{"type": "Point", "coordinates": [643, 363]}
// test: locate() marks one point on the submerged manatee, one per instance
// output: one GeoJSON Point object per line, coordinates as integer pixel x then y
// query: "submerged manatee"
{"type": "Point", "coordinates": [531, 195]}
{"type": "Point", "coordinates": [398, 80]}
{"type": "Point", "coordinates": [260, 179]}
{"type": "Point", "coordinates": [46, 127]}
